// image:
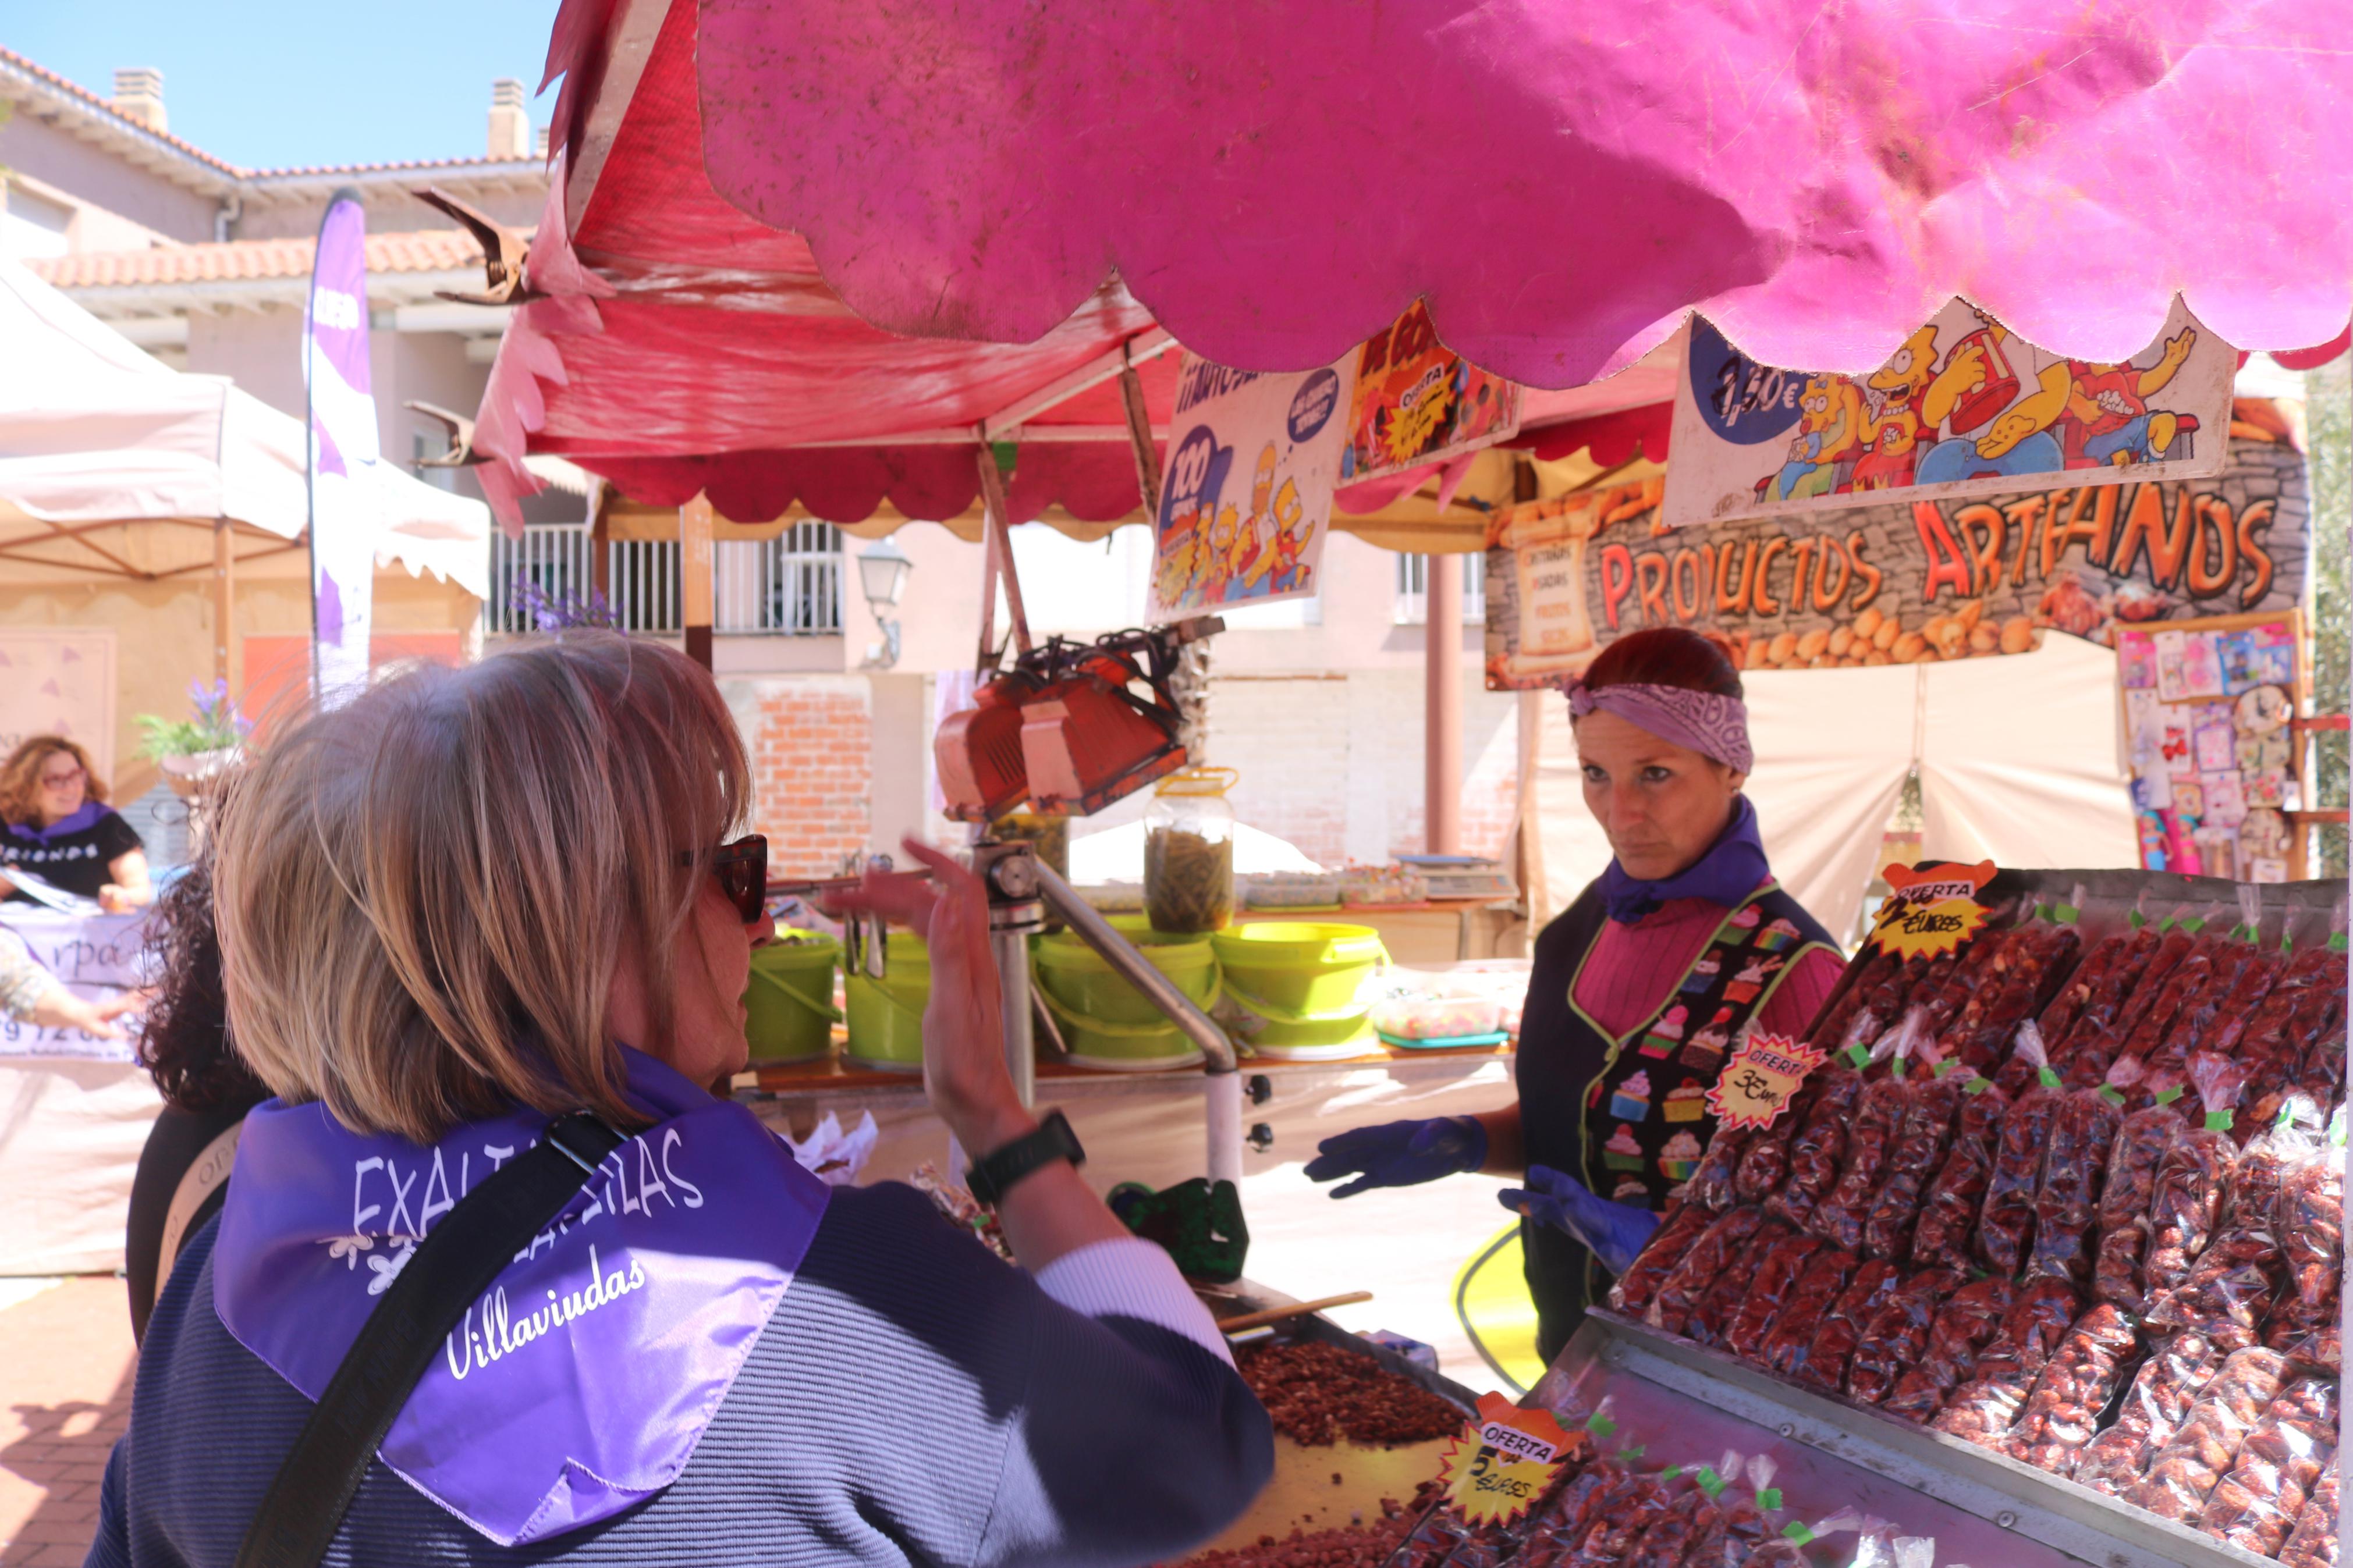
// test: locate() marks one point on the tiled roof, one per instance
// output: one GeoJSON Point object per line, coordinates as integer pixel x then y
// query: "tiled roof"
{"type": "Point", "coordinates": [103, 106]}
{"type": "Point", "coordinates": [427, 250]}
{"type": "Point", "coordinates": [75, 89]}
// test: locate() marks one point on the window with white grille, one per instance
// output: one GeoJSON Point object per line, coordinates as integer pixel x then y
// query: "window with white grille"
{"type": "Point", "coordinates": [1413, 589]}
{"type": "Point", "coordinates": [787, 586]}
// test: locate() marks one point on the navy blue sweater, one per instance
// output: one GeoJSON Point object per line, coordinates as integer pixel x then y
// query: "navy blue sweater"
{"type": "Point", "coordinates": [911, 1401]}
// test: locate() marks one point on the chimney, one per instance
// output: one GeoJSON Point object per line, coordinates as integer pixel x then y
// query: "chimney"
{"type": "Point", "coordinates": [139, 95]}
{"type": "Point", "coordinates": [510, 121]}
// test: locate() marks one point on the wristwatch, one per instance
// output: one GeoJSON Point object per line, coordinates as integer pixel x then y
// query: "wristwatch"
{"type": "Point", "coordinates": [993, 1174]}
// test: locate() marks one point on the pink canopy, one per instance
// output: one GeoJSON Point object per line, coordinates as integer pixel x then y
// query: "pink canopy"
{"type": "Point", "coordinates": [995, 200]}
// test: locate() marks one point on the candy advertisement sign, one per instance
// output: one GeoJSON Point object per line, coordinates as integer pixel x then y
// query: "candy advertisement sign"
{"type": "Point", "coordinates": [1963, 408]}
{"type": "Point", "coordinates": [1418, 402]}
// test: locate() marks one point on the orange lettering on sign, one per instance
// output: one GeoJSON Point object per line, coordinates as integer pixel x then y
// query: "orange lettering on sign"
{"type": "Point", "coordinates": [1765, 605]}
{"type": "Point", "coordinates": [1687, 568]}
{"type": "Point", "coordinates": [2024, 515]}
{"type": "Point", "coordinates": [1981, 528]}
{"type": "Point", "coordinates": [1650, 574]}
{"type": "Point", "coordinates": [1948, 567]}
{"type": "Point", "coordinates": [1869, 591]}
{"type": "Point", "coordinates": [2213, 527]}
{"type": "Point", "coordinates": [2095, 532]}
{"type": "Point", "coordinates": [2258, 515]}
{"type": "Point", "coordinates": [1616, 578]}
{"type": "Point", "coordinates": [1738, 603]}
{"type": "Point", "coordinates": [1801, 558]}
{"type": "Point", "coordinates": [1827, 593]}
{"type": "Point", "coordinates": [2145, 528]}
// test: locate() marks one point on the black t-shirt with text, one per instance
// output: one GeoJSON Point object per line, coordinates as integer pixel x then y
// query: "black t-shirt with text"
{"type": "Point", "coordinates": [76, 860]}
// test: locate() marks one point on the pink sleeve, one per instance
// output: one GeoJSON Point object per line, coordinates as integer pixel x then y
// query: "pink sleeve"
{"type": "Point", "coordinates": [1790, 1009]}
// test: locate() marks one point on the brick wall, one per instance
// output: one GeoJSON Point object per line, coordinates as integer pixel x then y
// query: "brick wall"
{"type": "Point", "coordinates": [811, 741]}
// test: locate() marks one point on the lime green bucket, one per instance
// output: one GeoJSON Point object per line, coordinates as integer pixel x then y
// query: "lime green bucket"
{"type": "Point", "coordinates": [1107, 1023]}
{"type": "Point", "coordinates": [1308, 983]}
{"type": "Point", "coordinates": [886, 1015]}
{"type": "Point", "coordinates": [788, 1011]}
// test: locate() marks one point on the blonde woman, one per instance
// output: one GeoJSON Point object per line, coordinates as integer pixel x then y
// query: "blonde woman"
{"type": "Point", "coordinates": [55, 824]}
{"type": "Point", "coordinates": [474, 899]}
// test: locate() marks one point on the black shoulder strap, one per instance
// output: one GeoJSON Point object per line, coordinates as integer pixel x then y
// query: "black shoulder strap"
{"type": "Point", "coordinates": [447, 1273]}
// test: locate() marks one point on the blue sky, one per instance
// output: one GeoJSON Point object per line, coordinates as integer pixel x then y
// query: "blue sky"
{"type": "Point", "coordinates": [271, 83]}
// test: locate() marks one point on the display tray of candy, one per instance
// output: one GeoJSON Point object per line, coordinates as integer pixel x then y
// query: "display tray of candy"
{"type": "Point", "coordinates": [2073, 1195]}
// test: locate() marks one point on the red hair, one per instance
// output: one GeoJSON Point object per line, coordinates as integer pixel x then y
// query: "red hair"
{"type": "Point", "coordinates": [1666, 656]}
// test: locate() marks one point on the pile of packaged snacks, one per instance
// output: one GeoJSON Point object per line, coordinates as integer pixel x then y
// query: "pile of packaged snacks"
{"type": "Point", "coordinates": [1366, 1544]}
{"type": "Point", "coordinates": [2041, 1180]}
{"type": "Point", "coordinates": [1318, 1394]}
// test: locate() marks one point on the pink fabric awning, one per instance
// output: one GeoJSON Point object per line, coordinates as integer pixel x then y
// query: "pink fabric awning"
{"type": "Point", "coordinates": [992, 200]}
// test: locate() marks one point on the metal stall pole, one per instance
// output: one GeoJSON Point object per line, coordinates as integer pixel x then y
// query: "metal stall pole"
{"type": "Point", "coordinates": [1011, 872]}
{"type": "Point", "coordinates": [1225, 1084]}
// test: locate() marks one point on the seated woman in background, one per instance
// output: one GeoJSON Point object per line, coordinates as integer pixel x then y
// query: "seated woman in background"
{"type": "Point", "coordinates": [55, 823]}
{"type": "Point", "coordinates": [471, 901]}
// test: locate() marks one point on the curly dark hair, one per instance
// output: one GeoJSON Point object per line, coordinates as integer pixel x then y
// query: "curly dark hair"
{"type": "Point", "coordinates": [185, 1045]}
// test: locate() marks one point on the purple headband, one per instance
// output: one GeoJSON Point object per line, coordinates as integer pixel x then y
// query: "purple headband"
{"type": "Point", "coordinates": [1711, 725]}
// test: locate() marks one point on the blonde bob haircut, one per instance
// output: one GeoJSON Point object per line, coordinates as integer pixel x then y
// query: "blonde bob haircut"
{"type": "Point", "coordinates": [422, 895]}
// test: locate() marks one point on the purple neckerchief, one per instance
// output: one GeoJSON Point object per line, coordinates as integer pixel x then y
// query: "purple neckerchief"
{"type": "Point", "coordinates": [582, 1380]}
{"type": "Point", "coordinates": [1729, 871]}
{"type": "Point", "coordinates": [1703, 721]}
{"type": "Point", "coordinates": [81, 818]}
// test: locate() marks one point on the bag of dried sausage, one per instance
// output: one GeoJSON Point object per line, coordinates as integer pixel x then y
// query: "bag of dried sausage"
{"type": "Point", "coordinates": [1777, 1276]}
{"type": "Point", "coordinates": [2272, 1042]}
{"type": "Point", "coordinates": [1765, 1161]}
{"type": "Point", "coordinates": [2062, 1408]}
{"type": "Point", "coordinates": [2096, 977]}
{"type": "Point", "coordinates": [1820, 1285]}
{"type": "Point", "coordinates": [1922, 1141]}
{"type": "Point", "coordinates": [2192, 1179]}
{"type": "Point", "coordinates": [1691, 1514]}
{"type": "Point", "coordinates": [1984, 1409]}
{"type": "Point", "coordinates": [1703, 1262]}
{"type": "Point", "coordinates": [2018, 983]}
{"type": "Point", "coordinates": [2082, 1131]}
{"type": "Point", "coordinates": [2305, 1323]}
{"type": "Point", "coordinates": [2150, 1022]}
{"type": "Point", "coordinates": [2106, 992]}
{"type": "Point", "coordinates": [2118, 1271]}
{"type": "Point", "coordinates": [1809, 1159]}
{"type": "Point", "coordinates": [1839, 1217]}
{"type": "Point", "coordinates": [2255, 1506]}
{"type": "Point", "coordinates": [2237, 975]}
{"type": "Point", "coordinates": [1892, 1341]}
{"type": "Point", "coordinates": [2184, 1473]}
{"type": "Point", "coordinates": [1943, 1237]}
{"type": "Point", "coordinates": [2006, 1220]}
{"type": "Point", "coordinates": [1712, 1185]}
{"type": "Point", "coordinates": [1963, 1327]}
{"type": "Point", "coordinates": [1659, 1258]}
{"type": "Point", "coordinates": [2159, 1400]}
{"type": "Point", "coordinates": [1823, 1362]}
{"type": "Point", "coordinates": [1788, 1550]}
{"type": "Point", "coordinates": [1713, 1312]}
{"type": "Point", "coordinates": [2097, 1042]}
{"type": "Point", "coordinates": [2228, 1290]}
{"type": "Point", "coordinates": [2313, 1545]}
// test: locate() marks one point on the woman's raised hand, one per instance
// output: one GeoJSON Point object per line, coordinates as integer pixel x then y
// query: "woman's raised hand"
{"type": "Point", "coordinates": [965, 1074]}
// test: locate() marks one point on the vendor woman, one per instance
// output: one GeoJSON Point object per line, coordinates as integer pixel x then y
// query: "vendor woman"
{"type": "Point", "coordinates": [55, 823]}
{"type": "Point", "coordinates": [1641, 989]}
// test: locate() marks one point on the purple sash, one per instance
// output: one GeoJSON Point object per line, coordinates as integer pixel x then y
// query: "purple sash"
{"type": "Point", "coordinates": [581, 1382]}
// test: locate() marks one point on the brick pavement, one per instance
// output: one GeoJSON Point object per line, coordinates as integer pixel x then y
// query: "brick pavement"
{"type": "Point", "coordinates": [66, 1365]}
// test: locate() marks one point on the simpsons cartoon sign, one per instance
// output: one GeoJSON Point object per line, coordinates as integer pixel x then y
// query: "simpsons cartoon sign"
{"type": "Point", "coordinates": [1963, 408]}
{"type": "Point", "coordinates": [1246, 488]}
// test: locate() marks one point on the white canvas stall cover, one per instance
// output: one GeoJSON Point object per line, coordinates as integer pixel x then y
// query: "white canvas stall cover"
{"type": "Point", "coordinates": [94, 430]}
{"type": "Point", "coordinates": [2018, 758]}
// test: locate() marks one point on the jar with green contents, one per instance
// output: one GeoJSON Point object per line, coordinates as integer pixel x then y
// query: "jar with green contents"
{"type": "Point", "coordinates": [1188, 852]}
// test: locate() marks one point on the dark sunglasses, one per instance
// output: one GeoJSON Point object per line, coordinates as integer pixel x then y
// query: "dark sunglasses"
{"type": "Point", "coordinates": [742, 871]}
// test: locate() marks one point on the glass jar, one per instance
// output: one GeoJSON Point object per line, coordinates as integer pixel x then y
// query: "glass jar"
{"type": "Point", "coordinates": [1188, 852]}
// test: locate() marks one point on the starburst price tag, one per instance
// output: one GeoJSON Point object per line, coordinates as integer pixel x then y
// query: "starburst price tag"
{"type": "Point", "coordinates": [1495, 1472]}
{"type": "Point", "coordinates": [1757, 1084]}
{"type": "Point", "coordinates": [1931, 909]}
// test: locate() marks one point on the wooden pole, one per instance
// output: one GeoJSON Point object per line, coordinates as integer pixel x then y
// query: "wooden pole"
{"type": "Point", "coordinates": [694, 577]}
{"type": "Point", "coordinates": [1140, 442]}
{"type": "Point", "coordinates": [1443, 672]}
{"type": "Point", "coordinates": [1000, 531]}
{"type": "Point", "coordinates": [224, 595]}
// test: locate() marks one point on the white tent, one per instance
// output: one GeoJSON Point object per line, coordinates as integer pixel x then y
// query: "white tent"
{"type": "Point", "coordinates": [112, 465]}
{"type": "Point", "coordinates": [2019, 757]}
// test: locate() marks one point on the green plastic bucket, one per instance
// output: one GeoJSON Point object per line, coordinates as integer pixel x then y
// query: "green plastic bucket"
{"type": "Point", "coordinates": [788, 1011]}
{"type": "Point", "coordinates": [886, 1015]}
{"type": "Point", "coordinates": [1306, 983]}
{"type": "Point", "coordinates": [1107, 1023]}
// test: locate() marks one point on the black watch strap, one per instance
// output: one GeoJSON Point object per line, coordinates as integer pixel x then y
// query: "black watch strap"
{"type": "Point", "coordinates": [993, 1174]}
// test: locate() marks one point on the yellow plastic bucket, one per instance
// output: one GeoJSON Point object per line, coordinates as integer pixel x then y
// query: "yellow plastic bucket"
{"type": "Point", "coordinates": [788, 1011]}
{"type": "Point", "coordinates": [886, 1015]}
{"type": "Point", "coordinates": [1106, 1022]}
{"type": "Point", "coordinates": [1305, 985]}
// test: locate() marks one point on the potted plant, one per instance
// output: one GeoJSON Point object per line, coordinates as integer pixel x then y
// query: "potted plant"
{"type": "Point", "coordinates": [195, 753]}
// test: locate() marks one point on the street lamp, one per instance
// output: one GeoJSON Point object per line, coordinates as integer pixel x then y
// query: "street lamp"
{"type": "Point", "coordinates": [882, 570]}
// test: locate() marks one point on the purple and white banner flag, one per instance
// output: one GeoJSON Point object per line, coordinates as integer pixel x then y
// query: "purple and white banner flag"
{"type": "Point", "coordinates": [346, 510]}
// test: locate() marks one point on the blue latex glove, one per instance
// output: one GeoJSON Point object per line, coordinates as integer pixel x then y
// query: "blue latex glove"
{"type": "Point", "coordinates": [1614, 1233]}
{"type": "Point", "coordinates": [1399, 1154]}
